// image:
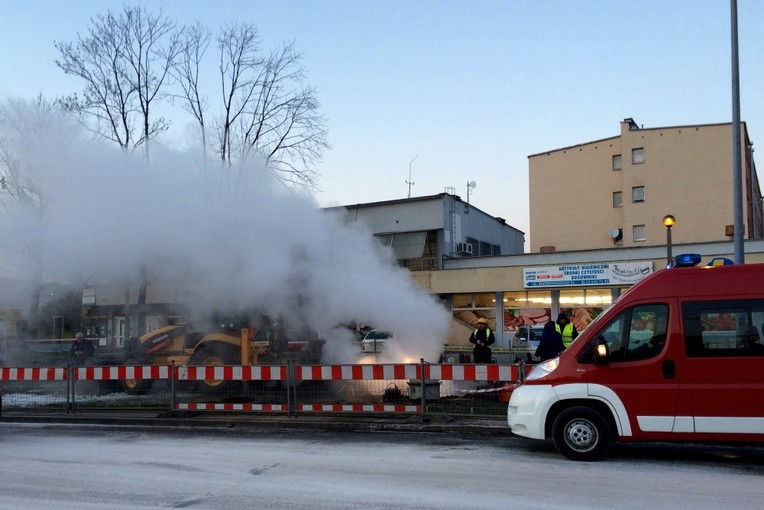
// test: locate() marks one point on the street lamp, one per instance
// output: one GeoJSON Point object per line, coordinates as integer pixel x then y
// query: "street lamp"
{"type": "Point", "coordinates": [668, 221]}
{"type": "Point", "coordinates": [410, 182]}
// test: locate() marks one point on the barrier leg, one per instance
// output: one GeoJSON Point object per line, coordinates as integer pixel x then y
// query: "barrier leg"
{"type": "Point", "coordinates": [69, 387]}
{"type": "Point", "coordinates": [291, 388]}
{"type": "Point", "coordinates": [425, 416]}
{"type": "Point", "coordinates": [173, 399]}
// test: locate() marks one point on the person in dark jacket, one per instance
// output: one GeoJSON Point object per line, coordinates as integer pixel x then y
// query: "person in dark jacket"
{"type": "Point", "coordinates": [482, 337]}
{"type": "Point", "coordinates": [550, 344]}
{"type": "Point", "coordinates": [81, 350]}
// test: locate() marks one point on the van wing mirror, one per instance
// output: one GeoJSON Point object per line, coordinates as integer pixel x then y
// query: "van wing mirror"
{"type": "Point", "coordinates": [600, 350]}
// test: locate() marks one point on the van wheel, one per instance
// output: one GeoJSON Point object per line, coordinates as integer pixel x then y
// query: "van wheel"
{"type": "Point", "coordinates": [581, 433]}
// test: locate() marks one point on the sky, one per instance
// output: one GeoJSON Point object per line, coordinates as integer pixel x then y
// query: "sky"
{"type": "Point", "coordinates": [440, 93]}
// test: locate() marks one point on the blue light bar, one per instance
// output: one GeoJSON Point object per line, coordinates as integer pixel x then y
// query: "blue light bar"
{"type": "Point", "coordinates": [687, 260]}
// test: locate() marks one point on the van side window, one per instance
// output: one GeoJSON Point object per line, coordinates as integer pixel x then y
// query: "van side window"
{"type": "Point", "coordinates": [638, 333]}
{"type": "Point", "coordinates": [724, 328]}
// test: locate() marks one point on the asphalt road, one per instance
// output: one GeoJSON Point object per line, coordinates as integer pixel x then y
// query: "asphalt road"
{"type": "Point", "coordinates": [96, 466]}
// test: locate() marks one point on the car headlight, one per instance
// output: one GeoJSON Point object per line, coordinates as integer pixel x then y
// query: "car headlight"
{"type": "Point", "coordinates": [543, 369]}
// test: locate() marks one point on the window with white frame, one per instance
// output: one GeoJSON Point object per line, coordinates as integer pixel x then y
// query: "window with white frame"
{"type": "Point", "coordinates": [638, 233]}
{"type": "Point", "coordinates": [638, 156]}
{"type": "Point", "coordinates": [617, 162]}
{"type": "Point", "coordinates": [617, 199]}
{"type": "Point", "coordinates": [638, 194]}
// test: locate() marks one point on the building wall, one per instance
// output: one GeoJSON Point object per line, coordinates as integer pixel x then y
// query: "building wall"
{"type": "Point", "coordinates": [686, 172]}
{"type": "Point", "coordinates": [463, 221]}
{"type": "Point", "coordinates": [398, 216]}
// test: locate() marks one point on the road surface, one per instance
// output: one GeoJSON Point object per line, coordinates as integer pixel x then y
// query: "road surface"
{"type": "Point", "coordinates": [116, 467]}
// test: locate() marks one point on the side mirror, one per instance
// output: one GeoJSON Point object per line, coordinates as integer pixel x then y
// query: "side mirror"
{"type": "Point", "coordinates": [596, 351]}
{"type": "Point", "coordinates": [601, 350]}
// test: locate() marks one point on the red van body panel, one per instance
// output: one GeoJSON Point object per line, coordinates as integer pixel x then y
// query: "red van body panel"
{"type": "Point", "coordinates": [691, 389]}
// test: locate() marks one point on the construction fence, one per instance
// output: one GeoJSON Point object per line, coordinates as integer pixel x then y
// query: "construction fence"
{"type": "Point", "coordinates": [416, 388]}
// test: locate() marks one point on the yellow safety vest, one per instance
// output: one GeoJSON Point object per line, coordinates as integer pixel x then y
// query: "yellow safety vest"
{"type": "Point", "coordinates": [567, 334]}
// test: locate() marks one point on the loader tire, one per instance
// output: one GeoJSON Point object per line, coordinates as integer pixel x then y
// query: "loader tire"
{"type": "Point", "coordinates": [217, 355]}
{"type": "Point", "coordinates": [136, 386]}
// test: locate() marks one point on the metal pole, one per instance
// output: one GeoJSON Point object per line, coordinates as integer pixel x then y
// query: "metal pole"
{"type": "Point", "coordinates": [173, 399]}
{"type": "Point", "coordinates": [423, 380]}
{"type": "Point", "coordinates": [737, 179]}
{"type": "Point", "coordinates": [668, 246]}
{"type": "Point", "coordinates": [70, 387]}
{"type": "Point", "coordinates": [410, 182]}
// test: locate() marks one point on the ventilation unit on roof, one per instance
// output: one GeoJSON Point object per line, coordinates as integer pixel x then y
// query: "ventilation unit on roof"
{"type": "Point", "coordinates": [464, 248]}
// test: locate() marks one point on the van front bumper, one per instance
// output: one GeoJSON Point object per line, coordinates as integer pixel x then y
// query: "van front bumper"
{"type": "Point", "coordinates": [528, 408]}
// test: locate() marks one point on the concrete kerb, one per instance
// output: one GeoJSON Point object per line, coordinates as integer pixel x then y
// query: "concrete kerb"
{"type": "Point", "coordinates": [437, 424]}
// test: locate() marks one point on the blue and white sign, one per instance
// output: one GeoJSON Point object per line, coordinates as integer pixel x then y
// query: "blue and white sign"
{"type": "Point", "coordinates": [617, 273]}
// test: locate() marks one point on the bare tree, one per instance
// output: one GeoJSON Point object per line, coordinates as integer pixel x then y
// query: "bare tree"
{"type": "Point", "coordinates": [22, 125]}
{"type": "Point", "coordinates": [125, 61]}
{"type": "Point", "coordinates": [266, 108]}
{"type": "Point", "coordinates": [151, 45]}
{"type": "Point", "coordinates": [240, 69]}
{"type": "Point", "coordinates": [282, 123]}
{"type": "Point", "coordinates": [187, 74]}
{"type": "Point", "coordinates": [18, 121]}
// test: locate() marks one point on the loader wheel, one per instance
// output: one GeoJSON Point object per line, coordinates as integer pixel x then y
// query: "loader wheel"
{"type": "Point", "coordinates": [217, 355]}
{"type": "Point", "coordinates": [136, 386]}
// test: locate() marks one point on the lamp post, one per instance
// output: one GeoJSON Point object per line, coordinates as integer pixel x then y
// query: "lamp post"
{"type": "Point", "coordinates": [668, 221]}
{"type": "Point", "coordinates": [410, 182]}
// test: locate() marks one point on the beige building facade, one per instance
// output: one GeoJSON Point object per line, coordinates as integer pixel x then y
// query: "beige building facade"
{"type": "Point", "coordinates": [615, 192]}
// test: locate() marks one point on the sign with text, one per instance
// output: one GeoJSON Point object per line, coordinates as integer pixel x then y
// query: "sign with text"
{"type": "Point", "coordinates": [617, 273]}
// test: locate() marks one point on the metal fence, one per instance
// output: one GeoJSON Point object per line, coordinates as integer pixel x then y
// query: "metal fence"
{"type": "Point", "coordinates": [290, 388]}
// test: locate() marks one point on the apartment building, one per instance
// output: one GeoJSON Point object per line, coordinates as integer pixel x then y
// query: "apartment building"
{"type": "Point", "coordinates": [616, 191]}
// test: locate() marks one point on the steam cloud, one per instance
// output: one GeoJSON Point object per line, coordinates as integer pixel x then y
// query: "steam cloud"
{"type": "Point", "coordinates": [232, 237]}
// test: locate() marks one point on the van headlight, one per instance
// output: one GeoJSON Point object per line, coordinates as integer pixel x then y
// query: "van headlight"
{"type": "Point", "coordinates": [543, 369]}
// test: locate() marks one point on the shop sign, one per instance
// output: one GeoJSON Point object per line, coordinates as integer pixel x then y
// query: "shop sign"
{"type": "Point", "coordinates": [617, 273]}
{"type": "Point", "coordinates": [88, 297]}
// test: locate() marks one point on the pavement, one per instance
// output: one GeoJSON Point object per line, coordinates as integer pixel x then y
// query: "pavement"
{"type": "Point", "coordinates": [350, 422]}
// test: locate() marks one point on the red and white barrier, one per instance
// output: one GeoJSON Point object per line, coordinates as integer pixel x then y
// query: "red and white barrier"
{"type": "Point", "coordinates": [213, 406]}
{"type": "Point", "coordinates": [290, 374]}
{"type": "Point", "coordinates": [489, 373]}
{"type": "Point", "coordinates": [122, 372]}
{"type": "Point", "coordinates": [32, 374]}
{"type": "Point", "coordinates": [233, 373]}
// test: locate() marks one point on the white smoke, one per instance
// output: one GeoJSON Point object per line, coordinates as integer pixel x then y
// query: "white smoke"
{"type": "Point", "coordinates": [231, 237]}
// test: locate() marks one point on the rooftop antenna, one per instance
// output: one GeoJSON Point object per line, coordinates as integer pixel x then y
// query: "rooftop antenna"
{"type": "Point", "coordinates": [470, 186]}
{"type": "Point", "coordinates": [410, 182]}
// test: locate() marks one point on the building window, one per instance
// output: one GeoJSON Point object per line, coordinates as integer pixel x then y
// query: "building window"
{"type": "Point", "coordinates": [617, 162]}
{"type": "Point", "coordinates": [638, 194]}
{"type": "Point", "coordinates": [617, 199]}
{"type": "Point", "coordinates": [638, 232]}
{"type": "Point", "coordinates": [638, 156]}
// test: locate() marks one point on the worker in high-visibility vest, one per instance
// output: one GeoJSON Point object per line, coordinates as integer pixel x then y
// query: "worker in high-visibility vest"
{"type": "Point", "coordinates": [565, 328]}
{"type": "Point", "coordinates": [482, 337]}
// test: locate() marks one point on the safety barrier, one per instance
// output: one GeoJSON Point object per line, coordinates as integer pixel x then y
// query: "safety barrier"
{"type": "Point", "coordinates": [291, 388]}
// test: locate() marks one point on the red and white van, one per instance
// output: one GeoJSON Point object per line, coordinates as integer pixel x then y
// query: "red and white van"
{"type": "Point", "coordinates": [679, 357]}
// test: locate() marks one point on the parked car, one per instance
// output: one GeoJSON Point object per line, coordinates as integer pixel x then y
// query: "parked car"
{"type": "Point", "coordinates": [525, 342]}
{"type": "Point", "coordinates": [374, 340]}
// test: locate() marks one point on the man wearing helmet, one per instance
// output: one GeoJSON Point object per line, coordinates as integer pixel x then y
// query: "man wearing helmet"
{"type": "Point", "coordinates": [482, 337]}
